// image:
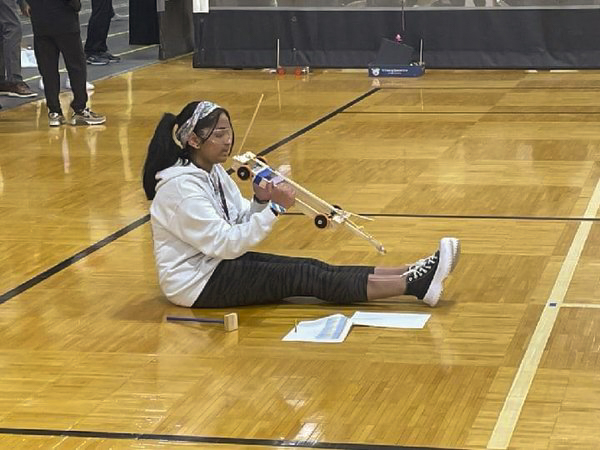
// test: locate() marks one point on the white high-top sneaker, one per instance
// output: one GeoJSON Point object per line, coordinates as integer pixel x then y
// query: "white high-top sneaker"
{"type": "Point", "coordinates": [425, 279]}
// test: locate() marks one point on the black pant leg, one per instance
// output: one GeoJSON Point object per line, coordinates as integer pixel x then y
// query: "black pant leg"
{"type": "Point", "coordinates": [72, 51]}
{"type": "Point", "coordinates": [268, 257]}
{"type": "Point", "coordinates": [46, 53]}
{"type": "Point", "coordinates": [248, 281]}
{"type": "Point", "coordinates": [98, 27]}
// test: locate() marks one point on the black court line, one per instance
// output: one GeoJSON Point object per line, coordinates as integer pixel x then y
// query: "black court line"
{"type": "Point", "coordinates": [487, 113]}
{"type": "Point", "coordinates": [72, 260]}
{"type": "Point", "coordinates": [207, 439]}
{"type": "Point", "coordinates": [489, 88]}
{"type": "Point", "coordinates": [139, 222]}
{"type": "Point", "coordinates": [318, 122]}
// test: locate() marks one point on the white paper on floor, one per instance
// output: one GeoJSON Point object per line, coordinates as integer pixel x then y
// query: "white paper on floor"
{"type": "Point", "coordinates": [390, 320]}
{"type": "Point", "coordinates": [329, 329]}
{"type": "Point", "coordinates": [335, 328]}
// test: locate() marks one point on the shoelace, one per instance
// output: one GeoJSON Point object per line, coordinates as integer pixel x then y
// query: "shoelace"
{"type": "Point", "coordinates": [416, 273]}
{"type": "Point", "coordinates": [422, 262]}
{"type": "Point", "coordinates": [421, 268]}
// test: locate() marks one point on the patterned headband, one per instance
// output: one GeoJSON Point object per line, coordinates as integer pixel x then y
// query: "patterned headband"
{"type": "Point", "coordinates": [182, 134]}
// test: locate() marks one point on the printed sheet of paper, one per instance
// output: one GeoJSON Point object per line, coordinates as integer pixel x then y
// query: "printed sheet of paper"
{"type": "Point", "coordinates": [390, 320]}
{"type": "Point", "coordinates": [330, 329]}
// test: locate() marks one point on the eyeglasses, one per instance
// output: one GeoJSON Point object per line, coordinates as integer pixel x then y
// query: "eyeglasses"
{"type": "Point", "coordinates": [221, 134]}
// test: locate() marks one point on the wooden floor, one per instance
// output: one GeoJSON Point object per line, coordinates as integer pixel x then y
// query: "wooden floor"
{"type": "Point", "coordinates": [506, 161]}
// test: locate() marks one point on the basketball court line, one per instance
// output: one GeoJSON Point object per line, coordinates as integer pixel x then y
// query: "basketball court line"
{"type": "Point", "coordinates": [580, 305]}
{"type": "Point", "coordinates": [487, 113]}
{"type": "Point", "coordinates": [488, 88]}
{"type": "Point", "coordinates": [72, 260]}
{"type": "Point", "coordinates": [484, 217]}
{"type": "Point", "coordinates": [513, 404]}
{"type": "Point", "coordinates": [207, 439]}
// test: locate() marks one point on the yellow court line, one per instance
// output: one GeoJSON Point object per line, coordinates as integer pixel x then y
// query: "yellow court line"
{"type": "Point", "coordinates": [136, 50]}
{"type": "Point", "coordinates": [509, 415]}
{"type": "Point", "coordinates": [579, 305]}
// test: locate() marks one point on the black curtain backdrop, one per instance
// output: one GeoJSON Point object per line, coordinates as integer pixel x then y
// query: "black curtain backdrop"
{"type": "Point", "coordinates": [143, 22]}
{"type": "Point", "coordinates": [471, 38]}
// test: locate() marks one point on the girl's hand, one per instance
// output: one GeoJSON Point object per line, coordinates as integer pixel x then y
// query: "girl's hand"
{"type": "Point", "coordinates": [263, 194]}
{"type": "Point", "coordinates": [284, 195]}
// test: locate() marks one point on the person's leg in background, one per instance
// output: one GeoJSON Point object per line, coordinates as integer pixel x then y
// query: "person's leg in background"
{"type": "Point", "coordinates": [10, 27]}
{"type": "Point", "coordinates": [96, 49]}
{"type": "Point", "coordinates": [69, 45]}
{"type": "Point", "coordinates": [46, 54]}
{"type": "Point", "coordinates": [89, 86]}
{"type": "Point", "coordinates": [72, 51]}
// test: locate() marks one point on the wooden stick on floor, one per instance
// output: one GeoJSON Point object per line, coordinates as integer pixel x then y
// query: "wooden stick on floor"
{"type": "Point", "coordinates": [229, 321]}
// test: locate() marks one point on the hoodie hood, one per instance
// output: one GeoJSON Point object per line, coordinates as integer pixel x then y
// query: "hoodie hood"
{"type": "Point", "coordinates": [178, 170]}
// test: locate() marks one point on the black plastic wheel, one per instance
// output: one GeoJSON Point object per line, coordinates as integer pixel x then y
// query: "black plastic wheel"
{"type": "Point", "coordinates": [321, 221]}
{"type": "Point", "coordinates": [243, 172]}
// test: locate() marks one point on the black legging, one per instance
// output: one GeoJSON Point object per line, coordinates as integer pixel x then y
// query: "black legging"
{"type": "Point", "coordinates": [259, 278]}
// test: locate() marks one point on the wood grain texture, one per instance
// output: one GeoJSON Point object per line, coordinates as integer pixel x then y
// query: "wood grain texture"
{"type": "Point", "coordinates": [89, 349]}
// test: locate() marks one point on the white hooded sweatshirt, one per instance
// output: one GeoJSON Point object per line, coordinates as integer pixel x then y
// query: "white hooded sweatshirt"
{"type": "Point", "coordinates": [191, 232]}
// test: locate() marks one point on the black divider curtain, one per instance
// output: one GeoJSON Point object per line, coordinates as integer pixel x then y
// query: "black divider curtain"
{"type": "Point", "coordinates": [143, 22]}
{"type": "Point", "coordinates": [471, 38]}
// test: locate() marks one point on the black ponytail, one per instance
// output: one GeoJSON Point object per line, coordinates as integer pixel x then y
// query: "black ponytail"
{"type": "Point", "coordinates": [163, 152]}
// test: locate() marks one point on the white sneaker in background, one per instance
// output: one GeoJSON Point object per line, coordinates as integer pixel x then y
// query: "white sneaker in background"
{"type": "Point", "coordinates": [88, 86]}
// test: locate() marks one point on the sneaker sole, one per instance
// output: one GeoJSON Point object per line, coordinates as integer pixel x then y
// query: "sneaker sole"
{"type": "Point", "coordinates": [12, 94]}
{"type": "Point", "coordinates": [455, 253]}
{"type": "Point", "coordinates": [449, 252]}
{"type": "Point", "coordinates": [82, 123]}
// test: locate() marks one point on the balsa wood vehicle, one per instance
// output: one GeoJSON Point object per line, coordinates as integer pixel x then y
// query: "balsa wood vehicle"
{"type": "Point", "coordinates": [323, 214]}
